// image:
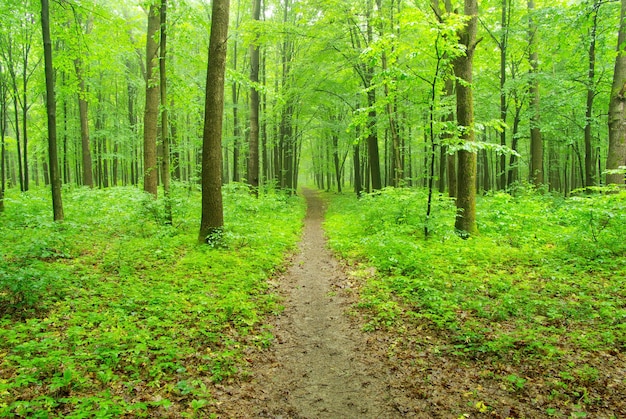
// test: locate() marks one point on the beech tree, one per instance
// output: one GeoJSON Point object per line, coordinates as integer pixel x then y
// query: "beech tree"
{"type": "Point", "coordinates": [55, 177]}
{"type": "Point", "coordinates": [536, 141]}
{"type": "Point", "coordinates": [463, 67]}
{"type": "Point", "coordinates": [3, 119]}
{"type": "Point", "coordinates": [617, 108]}
{"type": "Point", "coordinates": [212, 217]}
{"type": "Point", "coordinates": [165, 133]}
{"type": "Point", "coordinates": [253, 154]}
{"type": "Point", "coordinates": [151, 111]}
{"type": "Point", "coordinates": [83, 109]}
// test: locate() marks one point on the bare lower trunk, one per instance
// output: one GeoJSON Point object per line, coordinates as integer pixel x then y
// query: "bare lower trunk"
{"type": "Point", "coordinates": [617, 109]}
{"type": "Point", "coordinates": [466, 188]}
{"type": "Point", "coordinates": [151, 113]}
{"type": "Point", "coordinates": [536, 141]}
{"type": "Point", "coordinates": [212, 220]}
{"type": "Point", "coordinates": [55, 178]}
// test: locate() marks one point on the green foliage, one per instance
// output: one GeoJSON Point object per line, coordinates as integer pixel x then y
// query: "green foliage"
{"type": "Point", "coordinates": [535, 301]}
{"type": "Point", "coordinates": [113, 313]}
{"type": "Point", "coordinates": [544, 278]}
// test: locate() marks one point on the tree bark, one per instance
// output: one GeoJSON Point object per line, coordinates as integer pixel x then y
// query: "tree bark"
{"type": "Point", "coordinates": [165, 133]}
{"type": "Point", "coordinates": [503, 44]}
{"type": "Point", "coordinates": [536, 141]}
{"type": "Point", "coordinates": [55, 178]}
{"type": "Point", "coordinates": [83, 110]}
{"type": "Point", "coordinates": [3, 120]}
{"type": "Point", "coordinates": [151, 112]}
{"type": "Point", "coordinates": [212, 220]}
{"type": "Point", "coordinates": [463, 65]}
{"type": "Point", "coordinates": [591, 93]}
{"type": "Point", "coordinates": [617, 108]}
{"type": "Point", "coordinates": [253, 155]}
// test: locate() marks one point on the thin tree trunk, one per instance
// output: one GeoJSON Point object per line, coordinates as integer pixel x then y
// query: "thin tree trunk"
{"type": "Point", "coordinates": [151, 113]}
{"type": "Point", "coordinates": [212, 219]}
{"type": "Point", "coordinates": [504, 41]}
{"type": "Point", "coordinates": [253, 154]}
{"type": "Point", "coordinates": [3, 125]}
{"type": "Point", "coordinates": [591, 93]}
{"type": "Point", "coordinates": [55, 178]}
{"type": "Point", "coordinates": [536, 141]}
{"type": "Point", "coordinates": [165, 134]}
{"type": "Point", "coordinates": [84, 125]}
{"type": "Point", "coordinates": [25, 107]}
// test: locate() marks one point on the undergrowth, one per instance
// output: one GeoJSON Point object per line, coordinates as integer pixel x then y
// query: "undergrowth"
{"type": "Point", "coordinates": [544, 283]}
{"type": "Point", "coordinates": [114, 313]}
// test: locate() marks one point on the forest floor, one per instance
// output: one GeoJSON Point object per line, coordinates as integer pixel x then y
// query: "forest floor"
{"type": "Point", "coordinates": [319, 365]}
{"type": "Point", "coordinates": [322, 364]}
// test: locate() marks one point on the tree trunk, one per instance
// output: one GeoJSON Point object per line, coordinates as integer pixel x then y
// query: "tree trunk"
{"type": "Point", "coordinates": [253, 154]}
{"type": "Point", "coordinates": [3, 125]}
{"type": "Point", "coordinates": [617, 109]}
{"type": "Point", "coordinates": [83, 110]}
{"type": "Point", "coordinates": [25, 121]}
{"type": "Point", "coordinates": [55, 178]}
{"type": "Point", "coordinates": [356, 162]}
{"type": "Point", "coordinates": [536, 141]}
{"type": "Point", "coordinates": [17, 138]}
{"type": "Point", "coordinates": [504, 41]}
{"type": "Point", "coordinates": [591, 93]}
{"type": "Point", "coordinates": [451, 158]}
{"type": "Point", "coordinates": [151, 112]}
{"type": "Point", "coordinates": [165, 133]}
{"type": "Point", "coordinates": [212, 220]}
{"type": "Point", "coordinates": [463, 65]}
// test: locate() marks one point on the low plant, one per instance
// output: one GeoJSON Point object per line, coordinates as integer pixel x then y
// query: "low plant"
{"type": "Point", "coordinates": [124, 315]}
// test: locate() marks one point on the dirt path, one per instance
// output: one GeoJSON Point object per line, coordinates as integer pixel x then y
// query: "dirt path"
{"type": "Point", "coordinates": [316, 366]}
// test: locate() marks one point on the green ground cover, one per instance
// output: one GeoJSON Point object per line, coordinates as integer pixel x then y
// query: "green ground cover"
{"type": "Point", "coordinates": [112, 313]}
{"type": "Point", "coordinates": [543, 286]}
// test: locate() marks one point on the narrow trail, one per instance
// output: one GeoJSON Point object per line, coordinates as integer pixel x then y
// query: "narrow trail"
{"type": "Point", "coordinates": [319, 374]}
{"type": "Point", "coordinates": [317, 366]}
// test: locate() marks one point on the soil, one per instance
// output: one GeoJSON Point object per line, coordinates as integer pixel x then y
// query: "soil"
{"type": "Point", "coordinates": [318, 365]}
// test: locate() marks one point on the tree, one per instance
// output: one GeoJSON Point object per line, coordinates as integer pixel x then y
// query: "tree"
{"type": "Point", "coordinates": [151, 112]}
{"type": "Point", "coordinates": [463, 66]}
{"type": "Point", "coordinates": [165, 134]}
{"type": "Point", "coordinates": [55, 177]}
{"type": "Point", "coordinates": [16, 49]}
{"type": "Point", "coordinates": [212, 219]}
{"type": "Point", "coordinates": [253, 155]}
{"type": "Point", "coordinates": [591, 94]}
{"type": "Point", "coordinates": [3, 119]}
{"type": "Point", "coordinates": [536, 141]}
{"type": "Point", "coordinates": [617, 108]}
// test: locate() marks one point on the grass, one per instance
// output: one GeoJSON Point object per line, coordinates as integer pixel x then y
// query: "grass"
{"type": "Point", "coordinates": [112, 313]}
{"type": "Point", "coordinates": [542, 287]}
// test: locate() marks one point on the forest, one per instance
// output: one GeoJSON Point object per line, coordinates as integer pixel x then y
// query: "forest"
{"type": "Point", "coordinates": [157, 160]}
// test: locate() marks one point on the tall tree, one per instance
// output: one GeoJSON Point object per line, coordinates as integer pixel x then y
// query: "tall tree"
{"type": "Point", "coordinates": [617, 108]}
{"type": "Point", "coordinates": [502, 46]}
{"type": "Point", "coordinates": [165, 133]}
{"type": "Point", "coordinates": [3, 119]}
{"type": "Point", "coordinates": [151, 112]}
{"type": "Point", "coordinates": [367, 76]}
{"type": "Point", "coordinates": [463, 67]}
{"type": "Point", "coordinates": [536, 140]}
{"type": "Point", "coordinates": [591, 94]}
{"type": "Point", "coordinates": [253, 154]}
{"type": "Point", "coordinates": [212, 219]}
{"type": "Point", "coordinates": [83, 110]}
{"type": "Point", "coordinates": [55, 176]}
{"type": "Point", "coordinates": [235, 88]}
